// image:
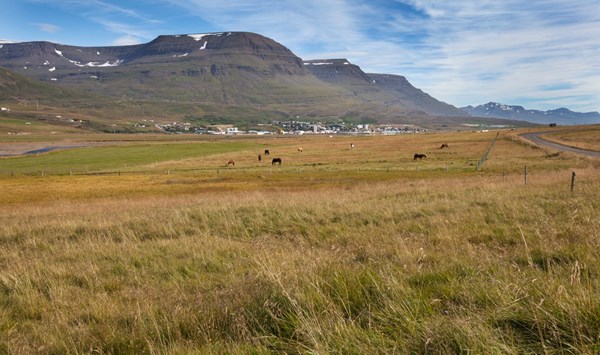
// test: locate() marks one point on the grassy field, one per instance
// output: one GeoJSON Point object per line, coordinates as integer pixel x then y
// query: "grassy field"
{"type": "Point", "coordinates": [337, 250]}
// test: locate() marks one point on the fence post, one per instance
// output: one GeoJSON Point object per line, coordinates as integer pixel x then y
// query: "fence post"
{"type": "Point", "coordinates": [572, 181]}
{"type": "Point", "coordinates": [525, 174]}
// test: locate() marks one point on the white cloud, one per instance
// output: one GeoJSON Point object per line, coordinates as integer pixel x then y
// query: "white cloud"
{"type": "Point", "coordinates": [127, 40]}
{"type": "Point", "coordinates": [46, 27]}
{"type": "Point", "coordinates": [510, 53]}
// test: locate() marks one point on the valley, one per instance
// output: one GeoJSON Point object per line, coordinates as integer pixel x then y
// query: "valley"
{"type": "Point", "coordinates": [215, 193]}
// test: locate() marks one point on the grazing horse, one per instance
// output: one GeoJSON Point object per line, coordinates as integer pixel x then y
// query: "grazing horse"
{"type": "Point", "coordinates": [230, 162]}
{"type": "Point", "coordinates": [351, 145]}
{"type": "Point", "coordinates": [267, 152]}
{"type": "Point", "coordinates": [300, 149]}
{"type": "Point", "coordinates": [445, 145]}
{"type": "Point", "coordinates": [419, 156]}
{"type": "Point", "coordinates": [259, 157]}
{"type": "Point", "coordinates": [276, 161]}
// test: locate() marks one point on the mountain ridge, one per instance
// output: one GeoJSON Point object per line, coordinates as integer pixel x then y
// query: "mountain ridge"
{"type": "Point", "coordinates": [516, 112]}
{"type": "Point", "coordinates": [232, 75]}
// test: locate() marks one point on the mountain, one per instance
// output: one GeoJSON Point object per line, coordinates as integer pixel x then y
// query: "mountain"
{"type": "Point", "coordinates": [225, 76]}
{"type": "Point", "coordinates": [385, 88]}
{"type": "Point", "coordinates": [561, 116]}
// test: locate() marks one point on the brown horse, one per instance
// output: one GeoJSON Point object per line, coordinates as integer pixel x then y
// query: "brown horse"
{"type": "Point", "coordinates": [419, 156]}
{"type": "Point", "coordinates": [259, 157]}
{"type": "Point", "coordinates": [276, 161]}
{"type": "Point", "coordinates": [230, 162]}
{"type": "Point", "coordinates": [300, 149]}
{"type": "Point", "coordinates": [445, 145]}
{"type": "Point", "coordinates": [267, 152]}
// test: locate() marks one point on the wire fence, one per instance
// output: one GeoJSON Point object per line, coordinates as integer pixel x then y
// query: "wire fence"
{"type": "Point", "coordinates": [487, 152]}
{"type": "Point", "coordinates": [224, 171]}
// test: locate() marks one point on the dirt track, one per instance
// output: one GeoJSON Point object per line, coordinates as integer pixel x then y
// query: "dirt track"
{"type": "Point", "coordinates": [535, 138]}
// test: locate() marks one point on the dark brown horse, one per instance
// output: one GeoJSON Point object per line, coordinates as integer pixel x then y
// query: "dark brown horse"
{"type": "Point", "coordinates": [259, 157]}
{"type": "Point", "coordinates": [445, 145]}
{"type": "Point", "coordinates": [267, 152]}
{"type": "Point", "coordinates": [230, 162]}
{"type": "Point", "coordinates": [276, 161]}
{"type": "Point", "coordinates": [419, 156]}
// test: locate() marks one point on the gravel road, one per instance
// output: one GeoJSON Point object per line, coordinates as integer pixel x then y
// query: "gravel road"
{"type": "Point", "coordinates": [535, 138]}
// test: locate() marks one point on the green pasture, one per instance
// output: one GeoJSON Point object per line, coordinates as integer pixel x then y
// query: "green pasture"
{"type": "Point", "coordinates": [320, 155]}
{"type": "Point", "coordinates": [120, 157]}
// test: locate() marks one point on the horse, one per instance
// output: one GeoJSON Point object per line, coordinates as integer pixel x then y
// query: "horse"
{"type": "Point", "coordinates": [267, 152]}
{"type": "Point", "coordinates": [300, 149]}
{"type": "Point", "coordinates": [419, 156]}
{"type": "Point", "coordinates": [259, 157]}
{"type": "Point", "coordinates": [445, 145]}
{"type": "Point", "coordinates": [276, 161]}
{"type": "Point", "coordinates": [230, 162]}
{"type": "Point", "coordinates": [351, 145]}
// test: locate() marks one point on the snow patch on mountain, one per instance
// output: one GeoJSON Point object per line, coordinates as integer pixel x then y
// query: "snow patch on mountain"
{"type": "Point", "coordinates": [198, 36]}
{"type": "Point", "coordinates": [98, 64]}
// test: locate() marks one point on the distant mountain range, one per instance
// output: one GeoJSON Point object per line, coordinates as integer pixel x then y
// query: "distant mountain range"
{"type": "Point", "coordinates": [215, 77]}
{"type": "Point", "coordinates": [561, 116]}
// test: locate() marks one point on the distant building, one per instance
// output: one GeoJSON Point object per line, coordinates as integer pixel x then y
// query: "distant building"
{"type": "Point", "coordinates": [232, 130]}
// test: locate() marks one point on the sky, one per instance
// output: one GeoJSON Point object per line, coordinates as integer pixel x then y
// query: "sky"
{"type": "Point", "coordinates": [540, 54]}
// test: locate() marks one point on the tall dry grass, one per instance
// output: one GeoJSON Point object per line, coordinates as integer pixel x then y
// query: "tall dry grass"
{"type": "Point", "coordinates": [415, 264]}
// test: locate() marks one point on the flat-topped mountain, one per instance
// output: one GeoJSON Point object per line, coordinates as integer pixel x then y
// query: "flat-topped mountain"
{"type": "Point", "coordinates": [41, 57]}
{"type": "Point", "coordinates": [561, 116]}
{"type": "Point", "coordinates": [235, 75]}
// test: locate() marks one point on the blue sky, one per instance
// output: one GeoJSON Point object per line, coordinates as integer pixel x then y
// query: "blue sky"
{"type": "Point", "coordinates": [541, 54]}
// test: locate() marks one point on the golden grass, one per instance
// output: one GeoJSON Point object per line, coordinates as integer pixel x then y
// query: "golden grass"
{"type": "Point", "coordinates": [325, 260]}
